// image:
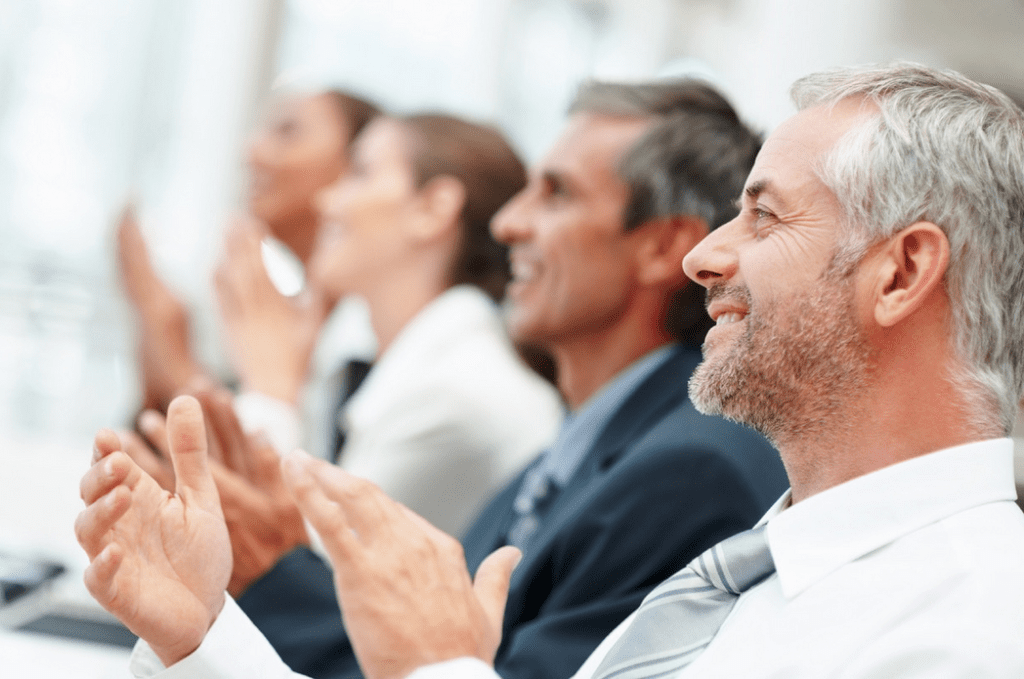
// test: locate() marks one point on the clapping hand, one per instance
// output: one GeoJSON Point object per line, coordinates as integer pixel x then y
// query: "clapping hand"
{"type": "Point", "coordinates": [261, 515]}
{"type": "Point", "coordinates": [271, 336]}
{"type": "Point", "coordinates": [406, 596]}
{"type": "Point", "coordinates": [160, 561]}
{"type": "Point", "coordinates": [163, 323]}
{"type": "Point", "coordinates": [262, 519]}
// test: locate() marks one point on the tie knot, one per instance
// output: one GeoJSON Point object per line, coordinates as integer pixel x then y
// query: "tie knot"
{"type": "Point", "coordinates": [738, 563]}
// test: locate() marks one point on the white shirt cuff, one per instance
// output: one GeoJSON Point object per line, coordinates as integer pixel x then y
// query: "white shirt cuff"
{"type": "Point", "coordinates": [232, 649]}
{"type": "Point", "coordinates": [278, 419]}
{"type": "Point", "coordinates": [460, 668]}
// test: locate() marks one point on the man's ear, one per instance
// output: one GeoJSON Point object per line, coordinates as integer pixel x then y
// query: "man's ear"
{"type": "Point", "coordinates": [911, 266]}
{"type": "Point", "coordinates": [440, 205]}
{"type": "Point", "coordinates": [664, 242]}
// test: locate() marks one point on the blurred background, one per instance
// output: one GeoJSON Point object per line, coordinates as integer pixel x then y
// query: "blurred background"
{"type": "Point", "coordinates": [102, 101]}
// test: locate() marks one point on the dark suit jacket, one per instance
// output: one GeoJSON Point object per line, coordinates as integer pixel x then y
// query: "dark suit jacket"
{"type": "Point", "coordinates": [661, 484]}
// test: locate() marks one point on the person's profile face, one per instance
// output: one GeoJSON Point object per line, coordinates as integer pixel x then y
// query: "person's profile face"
{"type": "Point", "coordinates": [781, 312]}
{"type": "Point", "coordinates": [363, 212]}
{"type": "Point", "coordinates": [301, 148]}
{"type": "Point", "coordinates": [571, 269]}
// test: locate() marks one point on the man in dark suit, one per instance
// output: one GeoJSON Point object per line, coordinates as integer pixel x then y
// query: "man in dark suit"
{"type": "Point", "coordinates": [597, 238]}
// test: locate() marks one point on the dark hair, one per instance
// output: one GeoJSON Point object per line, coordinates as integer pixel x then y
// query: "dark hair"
{"type": "Point", "coordinates": [693, 160]}
{"type": "Point", "coordinates": [355, 112]}
{"type": "Point", "coordinates": [482, 160]}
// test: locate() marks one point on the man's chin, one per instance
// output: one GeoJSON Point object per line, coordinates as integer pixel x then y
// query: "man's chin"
{"type": "Point", "coordinates": [713, 390]}
{"type": "Point", "coordinates": [703, 394]}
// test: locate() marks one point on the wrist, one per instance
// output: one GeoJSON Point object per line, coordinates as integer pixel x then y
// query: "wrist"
{"type": "Point", "coordinates": [173, 653]}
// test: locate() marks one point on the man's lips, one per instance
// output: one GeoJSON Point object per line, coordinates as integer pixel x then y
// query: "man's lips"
{"type": "Point", "coordinates": [523, 272]}
{"type": "Point", "coordinates": [724, 312]}
{"type": "Point", "coordinates": [524, 267]}
{"type": "Point", "coordinates": [729, 317]}
{"type": "Point", "coordinates": [728, 304]}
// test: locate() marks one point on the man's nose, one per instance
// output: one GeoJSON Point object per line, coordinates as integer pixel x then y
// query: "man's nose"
{"type": "Point", "coordinates": [714, 258]}
{"type": "Point", "coordinates": [511, 224]}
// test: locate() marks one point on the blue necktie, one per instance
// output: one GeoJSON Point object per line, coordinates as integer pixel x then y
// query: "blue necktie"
{"type": "Point", "coordinates": [535, 494]}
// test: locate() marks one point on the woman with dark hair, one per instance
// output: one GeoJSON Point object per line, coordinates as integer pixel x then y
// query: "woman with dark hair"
{"type": "Point", "coordinates": [302, 146]}
{"type": "Point", "coordinates": [449, 412]}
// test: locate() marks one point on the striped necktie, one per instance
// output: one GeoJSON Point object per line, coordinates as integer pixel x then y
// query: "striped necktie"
{"type": "Point", "coordinates": [680, 616]}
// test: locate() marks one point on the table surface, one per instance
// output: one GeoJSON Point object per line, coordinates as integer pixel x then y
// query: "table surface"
{"type": "Point", "coordinates": [38, 504]}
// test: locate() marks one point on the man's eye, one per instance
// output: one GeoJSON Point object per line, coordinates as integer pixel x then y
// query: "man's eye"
{"type": "Point", "coordinates": [764, 222]}
{"type": "Point", "coordinates": [553, 187]}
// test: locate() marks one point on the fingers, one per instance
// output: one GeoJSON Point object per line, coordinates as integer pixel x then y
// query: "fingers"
{"type": "Point", "coordinates": [131, 248]}
{"type": "Point", "coordinates": [137, 273]}
{"type": "Point", "coordinates": [244, 241]}
{"type": "Point", "coordinates": [156, 466]}
{"type": "Point", "coordinates": [367, 509]}
{"type": "Point", "coordinates": [492, 581]}
{"type": "Point", "coordinates": [227, 431]}
{"type": "Point", "coordinates": [93, 523]}
{"type": "Point", "coordinates": [105, 443]}
{"type": "Point", "coordinates": [186, 436]}
{"type": "Point", "coordinates": [100, 577]}
{"type": "Point", "coordinates": [239, 500]}
{"type": "Point", "coordinates": [103, 476]}
{"type": "Point", "coordinates": [326, 516]}
{"type": "Point", "coordinates": [153, 426]}
{"type": "Point", "coordinates": [241, 270]}
{"type": "Point", "coordinates": [266, 462]}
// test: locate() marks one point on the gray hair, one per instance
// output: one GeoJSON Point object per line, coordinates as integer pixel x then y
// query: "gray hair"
{"type": "Point", "coordinates": [950, 151]}
{"type": "Point", "coordinates": [692, 160]}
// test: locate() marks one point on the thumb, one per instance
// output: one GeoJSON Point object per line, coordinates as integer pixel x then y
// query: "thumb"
{"type": "Point", "coordinates": [492, 580]}
{"type": "Point", "coordinates": [186, 438]}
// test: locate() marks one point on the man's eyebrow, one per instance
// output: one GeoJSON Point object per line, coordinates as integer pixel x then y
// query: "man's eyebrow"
{"type": "Point", "coordinates": [755, 189]}
{"type": "Point", "coordinates": [557, 179]}
{"type": "Point", "coordinates": [751, 192]}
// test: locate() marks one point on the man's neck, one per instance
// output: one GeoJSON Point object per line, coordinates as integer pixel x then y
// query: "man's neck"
{"type": "Point", "coordinates": [889, 424]}
{"type": "Point", "coordinates": [586, 364]}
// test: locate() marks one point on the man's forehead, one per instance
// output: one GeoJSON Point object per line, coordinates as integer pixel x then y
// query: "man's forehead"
{"type": "Point", "coordinates": [593, 144]}
{"type": "Point", "coordinates": [797, 146]}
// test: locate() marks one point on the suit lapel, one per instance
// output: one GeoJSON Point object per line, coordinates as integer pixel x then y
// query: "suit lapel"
{"type": "Point", "coordinates": [661, 391]}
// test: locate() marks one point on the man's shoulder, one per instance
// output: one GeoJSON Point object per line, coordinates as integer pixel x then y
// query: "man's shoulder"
{"type": "Point", "coordinates": [683, 437]}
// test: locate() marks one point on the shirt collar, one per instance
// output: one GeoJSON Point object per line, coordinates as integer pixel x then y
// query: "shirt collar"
{"type": "Point", "coordinates": [813, 538]}
{"type": "Point", "coordinates": [581, 428]}
{"type": "Point", "coordinates": [447, 319]}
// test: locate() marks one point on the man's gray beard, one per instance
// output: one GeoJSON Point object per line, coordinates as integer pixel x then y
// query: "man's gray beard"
{"type": "Point", "coordinates": [791, 372]}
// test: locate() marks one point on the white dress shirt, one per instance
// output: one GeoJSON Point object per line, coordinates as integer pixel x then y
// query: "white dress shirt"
{"type": "Point", "coordinates": [449, 413]}
{"type": "Point", "coordinates": [915, 570]}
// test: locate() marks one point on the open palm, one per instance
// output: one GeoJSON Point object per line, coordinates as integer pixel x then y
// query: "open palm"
{"type": "Point", "coordinates": [160, 561]}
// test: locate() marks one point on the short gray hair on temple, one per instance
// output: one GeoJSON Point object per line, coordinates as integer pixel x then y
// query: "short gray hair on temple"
{"type": "Point", "coordinates": [950, 151]}
{"type": "Point", "coordinates": [694, 158]}
{"type": "Point", "coordinates": [691, 161]}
